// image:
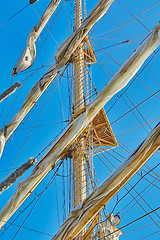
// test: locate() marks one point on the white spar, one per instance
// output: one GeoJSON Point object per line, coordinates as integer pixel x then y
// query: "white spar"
{"type": "Point", "coordinates": [74, 129]}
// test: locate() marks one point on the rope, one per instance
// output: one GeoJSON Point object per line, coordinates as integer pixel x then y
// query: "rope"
{"type": "Point", "coordinates": [134, 186]}
{"type": "Point", "coordinates": [9, 19]}
{"type": "Point", "coordinates": [39, 195]}
{"type": "Point", "coordinates": [37, 201]}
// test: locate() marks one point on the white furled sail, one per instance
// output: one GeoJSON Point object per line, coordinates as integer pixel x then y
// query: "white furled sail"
{"type": "Point", "coordinates": [9, 91]}
{"type": "Point", "coordinates": [27, 57]}
{"type": "Point", "coordinates": [86, 211]}
{"type": "Point", "coordinates": [74, 129]}
{"type": "Point", "coordinates": [47, 78]}
{"type": "Point", "coordinates": [16, 174]}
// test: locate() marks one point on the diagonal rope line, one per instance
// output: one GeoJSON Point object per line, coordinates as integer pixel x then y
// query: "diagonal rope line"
{"type": "Point", "coordinates": [134, 186]}
{"type": "Point", "coordinates": [128, 21]}
{"type": "Point", "coordinates": [133, 15]}
{"type": "Point", "coordinates": [37, 200]}
{"type": "Point", "coordinates": [9, 19]}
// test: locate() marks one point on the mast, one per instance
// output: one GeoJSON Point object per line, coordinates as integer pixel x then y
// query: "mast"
{"type": "Point", "coordinates": [79, 173]}
{"type": "Point", "coordinates": [80, 155]}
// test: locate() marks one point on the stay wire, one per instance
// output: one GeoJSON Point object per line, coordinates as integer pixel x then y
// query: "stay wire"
{"type": "Point", "coordinates": [32, 130]}
{"type": "Point", "coordinates": [130, 192]}
{"type": "Point", "coordinates": [133, 15]}
{"type": "Point", "coordinates": [143, 208]}
{"type": "Point", "coordinates": [134, 128]}
{"type": "Point", "coordinates": [134, 114]}
{"type": "Point", "coordinates": [48, 185]}
{"type": "Point", "coordinates": [4, 106]}
{"type": "Point", "coordinates": [36, 202]}
{"type": "Point", "coordinates": [135, 76]}
{"type": "Point", "coordinates": [30, 229]}
{"type": "Point", "coordinates": [151, 234]}
{"type": "Point", "coordinates": [38, 119]}
{"type": "Point", "coordinates": [129, 85]}
{"type": "Point", "coordinates": [148, 188]}
{"type": "Point", "coordinates": [19, 128]}
{"type": "Point", "coordinates": [31, 67]}
{"type": "Point", "coordinates": [13, 16]}
{"type": "Point", "coordinates": [46, 124]}
{"type": "Point", "coordinates": [134, 186]}
{"type": "Point", "coordinates": [137, 172]}
{"type": "Point", "coordinates": [114, 45]}
{"type": "Point", "coordinates": [140, 228]}
{"type": "Point", "coordinates": [135, 108]}
{"type": "Point", "coordinates": [129, 21]}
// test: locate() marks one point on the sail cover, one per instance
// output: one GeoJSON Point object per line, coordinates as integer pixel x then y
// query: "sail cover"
{"type": "Point", "coordinates": [27, 57]}
{"type": "Point", "coordinates": [47, 78]}
{"type": "Point", "coordinates": [74, 129]}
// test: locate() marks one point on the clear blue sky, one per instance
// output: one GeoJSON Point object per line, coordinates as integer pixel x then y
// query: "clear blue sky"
{"type": "Point", "coordinates": [129, 130]}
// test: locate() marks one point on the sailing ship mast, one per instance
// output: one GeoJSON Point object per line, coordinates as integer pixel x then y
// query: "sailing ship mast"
{"type": "Point", "coordinates": [79, 152]}
{"type": "Point", "coordinates": [73, 137]}
{"type": "Point", "coordinates": [79, 171]}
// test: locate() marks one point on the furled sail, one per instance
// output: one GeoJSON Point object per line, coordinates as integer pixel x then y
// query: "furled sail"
{"type": "Point", "coordinates": [16, 174]}
{"type": "Point", "coordinates": [27, 57]}
{"type": "Point", "coordinates": [47, 78]}
{"type": "Point", "coordinates": [75, 128]}
{"type": "Point", "coordinates": [86, 211]}
{"type": "Point", "coordinates": [9, 91]}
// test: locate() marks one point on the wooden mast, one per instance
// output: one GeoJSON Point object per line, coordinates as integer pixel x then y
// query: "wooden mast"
{"type": "Point", "coordinates": [79, 173]}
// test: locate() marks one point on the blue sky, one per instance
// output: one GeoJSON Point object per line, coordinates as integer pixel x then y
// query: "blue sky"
{"type": "Point", "coordinates": [129, 130]}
